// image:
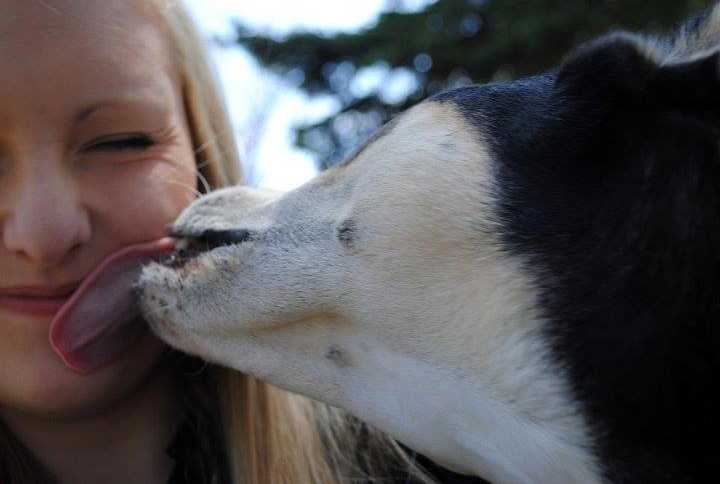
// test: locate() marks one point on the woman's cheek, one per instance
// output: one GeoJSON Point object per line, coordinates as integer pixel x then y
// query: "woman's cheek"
{"type": "Point", "coordinates": [138, 199]}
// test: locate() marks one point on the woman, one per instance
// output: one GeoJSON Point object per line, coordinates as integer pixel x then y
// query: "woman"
{"type": "Point", "coordinates": [109, 113]}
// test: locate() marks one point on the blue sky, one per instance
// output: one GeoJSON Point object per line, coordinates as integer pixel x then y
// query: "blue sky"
{"type": "Point", "coordinates": [263, 106]}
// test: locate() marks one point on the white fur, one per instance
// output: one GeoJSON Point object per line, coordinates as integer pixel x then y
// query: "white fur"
{"type": "Point", "coordinates": [419, 325]}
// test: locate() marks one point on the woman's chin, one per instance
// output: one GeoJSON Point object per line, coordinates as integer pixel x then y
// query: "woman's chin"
{"type": "Point", "coordinates": [45, 386]}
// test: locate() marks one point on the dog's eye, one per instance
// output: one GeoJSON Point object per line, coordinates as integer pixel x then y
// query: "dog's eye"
{"type": "Point", "coordinates": [212, 239]}
{"type": "Point", "coordinates": [218, 238]}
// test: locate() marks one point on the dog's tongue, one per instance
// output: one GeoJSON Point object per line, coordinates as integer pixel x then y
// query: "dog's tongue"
{"type": "Point", "coordinates": [102, 319]}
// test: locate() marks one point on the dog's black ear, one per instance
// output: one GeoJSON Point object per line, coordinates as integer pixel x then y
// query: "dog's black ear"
{"type": "Point", "coordinates": [617, 65]}
{"type": "Point", "coordinates": [631, 69]}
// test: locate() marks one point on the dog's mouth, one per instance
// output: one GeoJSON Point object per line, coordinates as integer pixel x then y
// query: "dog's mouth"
{"type": "Point", "coordinates": [190, 246]}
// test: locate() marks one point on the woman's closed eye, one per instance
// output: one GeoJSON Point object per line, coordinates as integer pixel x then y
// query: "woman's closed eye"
{"type": "Point", "coordinates": [121, 142]}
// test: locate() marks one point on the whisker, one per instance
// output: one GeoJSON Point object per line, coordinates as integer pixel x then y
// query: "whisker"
{"type": "Point", "coordinates": [159, 306]}
{"type": "Point", "coordinates": [199, 371]}
{"type": "Point", "coordinates": [196, 193]}
{"type": "Point", "coordinates": [49, 7]}
{"type": "Point", "coordinates": [203, 147]}
{"type": "Point", "coordinates": [203, 181]}
{"type": "Point", "coordinates": [200, 166]}
{"type": "Point", "coordinates": [207, 144]}
{"type": "Point", "coordinates": [160, 309]}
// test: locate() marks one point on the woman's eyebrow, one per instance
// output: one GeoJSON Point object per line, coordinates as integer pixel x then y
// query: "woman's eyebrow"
{"type": "Point", "coordinates": [117, 102]}
{"type": "Point", "coordinates": [85, 113]}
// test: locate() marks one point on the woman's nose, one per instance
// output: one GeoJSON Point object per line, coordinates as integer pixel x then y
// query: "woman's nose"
{"type": "Point", "coordinates": [46, 220]}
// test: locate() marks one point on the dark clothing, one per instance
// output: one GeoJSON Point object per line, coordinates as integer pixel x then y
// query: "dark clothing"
{"type": "Point", "coordinates": [195, 461]}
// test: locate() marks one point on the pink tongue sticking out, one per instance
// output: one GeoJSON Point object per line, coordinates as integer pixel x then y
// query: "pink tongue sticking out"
{"type": "Point", "coordinates": [102, 319]}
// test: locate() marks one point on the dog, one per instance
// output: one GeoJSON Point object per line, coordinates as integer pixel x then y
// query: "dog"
{"type": "Point", "coordinates": [518, 280]}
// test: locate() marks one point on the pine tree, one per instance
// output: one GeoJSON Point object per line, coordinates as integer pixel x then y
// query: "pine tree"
{"type": "Point", "coordinates": [449, 44]}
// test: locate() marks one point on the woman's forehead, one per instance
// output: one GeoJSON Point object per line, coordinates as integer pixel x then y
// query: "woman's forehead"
{"type": "Point", "coordinates": [84, 50]}
{"type": "Point", "coordinates": [80, 24]}
{"type": "Point", "coordinates": [51, 15]}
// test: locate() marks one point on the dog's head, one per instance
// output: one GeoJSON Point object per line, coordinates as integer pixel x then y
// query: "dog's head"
{"type": "Point", "coordinates": [554, 240]}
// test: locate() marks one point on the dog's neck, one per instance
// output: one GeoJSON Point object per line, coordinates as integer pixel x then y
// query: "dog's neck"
{"type": "Point", "coordinates": [459, 424]}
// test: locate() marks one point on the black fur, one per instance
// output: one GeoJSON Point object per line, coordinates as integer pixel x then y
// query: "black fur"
{"type": "Point", "coordinates": [608, 187]}
{"type": "Point", "coordinates": [346, 233]}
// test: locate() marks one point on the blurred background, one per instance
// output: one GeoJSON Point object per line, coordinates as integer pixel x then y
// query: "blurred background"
{"type": "Point", "coordinates": [306, 81]}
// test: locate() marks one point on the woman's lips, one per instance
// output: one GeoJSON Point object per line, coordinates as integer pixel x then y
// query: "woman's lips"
{"type": "Point", "coordinates": [36, 301]}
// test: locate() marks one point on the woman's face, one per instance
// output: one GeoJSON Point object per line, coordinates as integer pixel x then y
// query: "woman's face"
{"type": "Point", "coordinates": [94, 155]}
